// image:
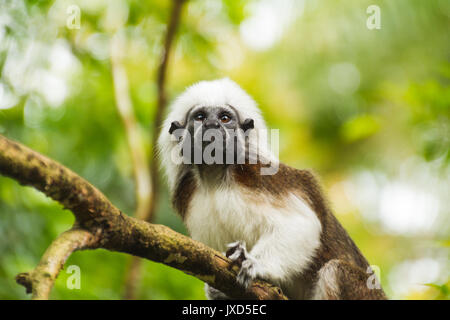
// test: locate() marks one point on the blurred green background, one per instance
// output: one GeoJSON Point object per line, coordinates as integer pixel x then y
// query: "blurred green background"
{"type": "Point", "coordinates": [368, 110]}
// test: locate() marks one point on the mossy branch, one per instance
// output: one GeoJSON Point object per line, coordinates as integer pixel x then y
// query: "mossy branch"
{"type": "Point", "coordinates": [102, 225]}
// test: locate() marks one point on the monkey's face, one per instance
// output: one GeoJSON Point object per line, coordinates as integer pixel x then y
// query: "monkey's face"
{"type": "Point", "coordinates": [212, 135]}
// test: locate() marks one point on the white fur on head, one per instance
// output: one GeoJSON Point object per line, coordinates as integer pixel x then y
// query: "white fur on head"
{"type": "Point", "coordinates": [220, 92]}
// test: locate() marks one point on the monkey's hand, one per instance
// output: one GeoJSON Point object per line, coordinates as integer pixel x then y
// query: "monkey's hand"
{"type": "Point", "coordinates": [237, 252]}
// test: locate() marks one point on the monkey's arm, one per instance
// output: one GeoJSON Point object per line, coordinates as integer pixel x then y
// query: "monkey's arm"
{"type": "Point", "coordinates": [339, 280]}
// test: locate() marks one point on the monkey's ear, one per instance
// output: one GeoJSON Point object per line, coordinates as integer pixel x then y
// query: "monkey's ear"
{"type": "Point", "coordinates": [248, 124]}
{"type": "Point", "coordinates": [174, 126]}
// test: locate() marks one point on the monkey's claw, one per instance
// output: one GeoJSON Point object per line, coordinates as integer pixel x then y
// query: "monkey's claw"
{"type": "Point", "coordinates": [238, 254]}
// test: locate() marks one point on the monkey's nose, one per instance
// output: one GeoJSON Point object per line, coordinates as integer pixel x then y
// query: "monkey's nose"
{"type": "Point", "coordinates": [212, 124]}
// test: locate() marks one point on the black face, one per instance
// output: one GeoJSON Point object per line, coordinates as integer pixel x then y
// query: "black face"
{"type": "Point", "coordinates": [208, 126]}
{"type": "Point", "coordinates": [214, 130]}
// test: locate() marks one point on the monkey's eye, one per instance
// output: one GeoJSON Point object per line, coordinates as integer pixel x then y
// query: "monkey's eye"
{"type": "Point", "coordinates": [225, 118]}
{"type": "Point", "coordinates": [200, 116]}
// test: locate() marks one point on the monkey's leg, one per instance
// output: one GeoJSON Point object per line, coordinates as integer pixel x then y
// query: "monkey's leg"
{"type": "Point", "coordinates": [339, 280]}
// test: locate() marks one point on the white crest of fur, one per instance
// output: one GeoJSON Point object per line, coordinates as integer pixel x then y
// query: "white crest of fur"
{"type": "Point", "coordinates": [220, 92]}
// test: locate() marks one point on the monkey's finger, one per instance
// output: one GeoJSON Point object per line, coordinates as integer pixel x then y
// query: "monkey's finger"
{"type": "Point", "coordinates": [233, 247]}
{"type": "Point", "coordinates": [239, 243]}
{"type": "Point", "coordinates": [247, 273]}
{"type": "Point", "coordinates": [238, 259]}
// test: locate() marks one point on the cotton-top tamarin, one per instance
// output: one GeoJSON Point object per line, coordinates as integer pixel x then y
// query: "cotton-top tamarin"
{"type": "Point", "coordinates": [275, 224]}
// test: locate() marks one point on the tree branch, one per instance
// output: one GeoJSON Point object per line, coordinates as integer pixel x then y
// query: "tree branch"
{"type": "Point", "coordinates": [40, 280]}
{"type": "Point", "coordinates": [116, 231]}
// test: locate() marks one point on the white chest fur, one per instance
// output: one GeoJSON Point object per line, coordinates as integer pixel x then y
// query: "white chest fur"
{"type": "Point", "coordinates": [286, 235]}
{"type": "Point", "coordinates": [218, 217]}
